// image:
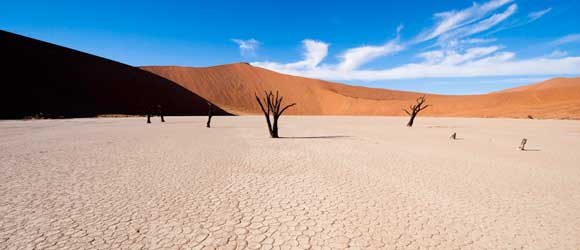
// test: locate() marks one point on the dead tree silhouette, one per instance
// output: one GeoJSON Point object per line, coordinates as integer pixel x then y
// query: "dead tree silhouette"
{"type": "Point", "coordinates": [273, 104]}
{"type": "Point", "coordinates": [160, 112]}
{"type": "Point", "coordinates": [523, 144]}
{"type": "Point", "coordinates": [415, 109]}
{"type": "Point", "coordinates": [153, 112]}
{"type": "Point", "coordinates": [209, 114]}
{"type": "Point", "coordinates": [453, 136]}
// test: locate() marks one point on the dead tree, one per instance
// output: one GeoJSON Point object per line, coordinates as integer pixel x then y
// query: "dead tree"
{"type": "Point", "coordinates": [453, 136]}
{"type": "Point", "coordinates": [271, 105]}
{"type": "Point", "coordinates": [415, 109]}
{"type": "Point", "coordinates": [209, 114]}
{"type": "Point", "coordinates": [523, 144]}
{"type": "Point", "coordinates": [160, 112]}
{"type": "Point", "coordinates": [152, 112]}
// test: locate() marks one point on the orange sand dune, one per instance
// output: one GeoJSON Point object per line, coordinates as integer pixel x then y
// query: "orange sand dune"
{"type": "Point", "coordinates": [233, 86]}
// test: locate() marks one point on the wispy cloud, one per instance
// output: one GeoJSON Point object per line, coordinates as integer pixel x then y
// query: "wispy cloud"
{"type": "Point", "coordinates": [469, 42]}
{"type": "Point", "coordinates": [531, 17]}
{"type": "Point", "coordinates": [571, 38]}
{"type": "Point", "coordinates": [451, 20]}
{"type": "Point", "coordinates": [247, 47]}
{"type": "Point", "coordinates": [557, 54]}
{"type": "Point", "coordinates": [477, 27]}
{"type": "Point", "coordinates": [455, 53]}
{"type": "Point", "coordinates": [498, 64]}
{"type": "Point", "coordinates": [477, 40]}
{"type": "Point", "coordinates": [313, 53]}
{"type": "Point", "coordinates": [538, 14]}
{"type": "Point", "coordinates": [452, 57]}
{"type": "Point", "coordinates": [355, 57]}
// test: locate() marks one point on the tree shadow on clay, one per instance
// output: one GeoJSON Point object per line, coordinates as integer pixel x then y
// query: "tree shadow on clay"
{"type": "Point", "coordinates": [316, 137]}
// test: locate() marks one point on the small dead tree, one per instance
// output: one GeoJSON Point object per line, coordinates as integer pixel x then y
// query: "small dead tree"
{"type": "Point", "coordinates": [271, 104]}
{"type": "Point", "coordinates": [415, 109]}
{"type": "Point", "coordinates": [523, 144]}
{"type": "Point", "coordinates": [453, 136]}
{"type": "Point", "coordinates": [152, 112]}
{"type": "Point", "coordinates": [209, 114]}
{"type": "Point", "coordinates": [160, 111]}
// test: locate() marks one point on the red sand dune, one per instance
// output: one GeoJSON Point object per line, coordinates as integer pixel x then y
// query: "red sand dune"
{"type": "Point", "coordinates": [43, 78]}
{"type": "Point", "coordinates": [40, 77]}
{"type": "Point", "coordinates": [232, 87]}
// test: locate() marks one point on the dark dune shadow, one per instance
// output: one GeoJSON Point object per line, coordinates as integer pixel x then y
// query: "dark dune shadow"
{"type": "Point", "coordinates": [51, 81]}
{"type": "Point", "coordinates": [315, 137]}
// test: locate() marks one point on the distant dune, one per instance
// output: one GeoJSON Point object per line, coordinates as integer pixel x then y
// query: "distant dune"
{"type": "Point", "coordinates": [43, 79]}
{"type": "Point", "coordinates": [233, 86]}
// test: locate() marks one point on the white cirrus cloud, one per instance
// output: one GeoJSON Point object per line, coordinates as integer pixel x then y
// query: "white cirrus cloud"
{"type": "Point", "coordinates": [477, 27]}
{"type": "Point", "coordinates": [355, 57]}
{"type": "Point", "coordinates": [499, 64]}
{"type": "Point", "coordinates": [452, 57]}
{"type": "Point", "coordinates": [532, 17]}
{"type": "Point", "coordinates": [313, 53]}
{"type": "Point", "coordinates": [450, 20]}
{"type": "Point", "coordinates": [557, 54]}
{"type": "Point", "coordinates": [571, 38]}
{"type": "Point", "coordinates": [477, 40]}
{"type": "Point", "coordinates": [538, 14]}
{"type": "Point", "coordinates": [459, 54]}
{"type": "Point", "coordinates": [247, 47]}
{"type": "Point", "coordinates": [473, 62]}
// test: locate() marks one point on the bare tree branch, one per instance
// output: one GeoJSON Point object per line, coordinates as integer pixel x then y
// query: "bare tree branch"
{"type": "Point", "coordinates": [260, 102]}
{"type": "Point", "coordinates": [284, 109]}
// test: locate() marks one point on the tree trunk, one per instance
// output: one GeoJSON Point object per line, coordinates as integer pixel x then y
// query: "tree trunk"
{"type": "Point", "coordinates": [411, 120]}
{"type": "Point", "coordinates": [160, 112]}
{"type": "Point", "coordinates": [148, 118]}
{"type": "Point", "coordinates": [274, 132]}
{"type": "Point", "coordinates": [269, 126]}
{"type": "Point", "coordinates": [209, 114]}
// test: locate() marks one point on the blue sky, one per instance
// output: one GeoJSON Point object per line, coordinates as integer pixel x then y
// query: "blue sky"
{"type": "Point", "coordinates": [453, 47]}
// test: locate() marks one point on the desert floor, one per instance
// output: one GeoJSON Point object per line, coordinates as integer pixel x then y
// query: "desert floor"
{"type": "Point", "coordinates": [332, 183]}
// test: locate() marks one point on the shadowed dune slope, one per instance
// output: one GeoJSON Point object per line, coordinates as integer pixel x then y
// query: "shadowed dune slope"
{"type": "Point", "coordinates": [233, 86]}
{"type": "Point", "coordinates": [43, 78]}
